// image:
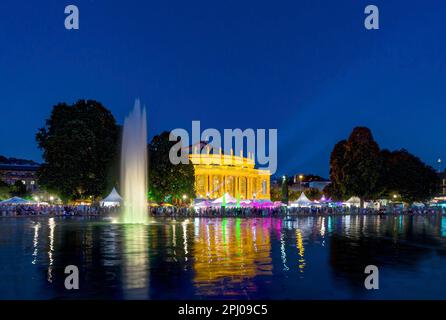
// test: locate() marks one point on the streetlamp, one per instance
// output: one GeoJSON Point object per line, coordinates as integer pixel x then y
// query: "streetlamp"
{"type": "Point", "coordinates": [184, 198]}
{"type": "Point", "coordinates": [301, 177]}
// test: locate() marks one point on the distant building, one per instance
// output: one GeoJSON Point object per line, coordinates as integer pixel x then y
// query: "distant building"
{"type": "Point", "coordinates": [320, 185]}
{"type": "Point", "coordinates": [217, 174]}
{"type": "Point", "coordinates": [302, 182]}
{"type": "Point", "coordinates": [25, 173]}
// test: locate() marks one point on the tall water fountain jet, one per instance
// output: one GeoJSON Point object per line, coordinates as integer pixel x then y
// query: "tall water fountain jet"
{"type": "Point", "coordinates": [134, 166]}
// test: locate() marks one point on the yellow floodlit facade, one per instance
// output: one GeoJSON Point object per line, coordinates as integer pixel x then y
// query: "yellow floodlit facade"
{"type": "Point", "coordinates": [229, 254]}
{"type": "Point", "coordinates": [216, 174]}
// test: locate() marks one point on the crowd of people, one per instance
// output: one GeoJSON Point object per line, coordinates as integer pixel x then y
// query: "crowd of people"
{"type": "Point", "coordinates": [85, 210]}
{"type": "Point", "coordinates": [55, 210]}
{"type": "Point", "coordinates": [287, 211]}
{"type": "Point", "coordinates": [214, 212]}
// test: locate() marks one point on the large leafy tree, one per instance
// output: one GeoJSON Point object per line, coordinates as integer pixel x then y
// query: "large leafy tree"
{"type": "Point", "coordinates": [275, 193]}
{"type": "Point", "coordinates": [79, 144]}
{"type": "Point", "coordinates": [168, 182]}
{"type": "Point", "coordinates": [313, 194]}
{"type": "Point", "coordinates": [359, 168]}
{"type": "Point", "coordinates": [5, 190]}
{"type": "Point", "coordinates": [19, 189]}
{"type": "Point", "coordinates": [335, 188]}
{"type": "Point", "coordinates": [407, 176]}
{"type": "Point", "coordinates": [356, 165]}
{"type": "Point", "coordinates": [285, 193]}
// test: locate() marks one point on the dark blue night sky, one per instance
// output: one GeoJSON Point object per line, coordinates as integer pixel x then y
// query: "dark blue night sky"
{"type": "Point", "coordinates": [307, 68]}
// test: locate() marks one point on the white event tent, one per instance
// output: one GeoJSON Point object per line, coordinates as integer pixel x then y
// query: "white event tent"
{"type": "Point", "coordinates": [228, 199]}
{"type": "Point", "coordinates": [303, 201]}
{"type": "Point", "coordinates": [16, 201]}
{"type": "Point", "coordinates": [353, 201]}
{"type": "Point", "coordinates": [113, 199]}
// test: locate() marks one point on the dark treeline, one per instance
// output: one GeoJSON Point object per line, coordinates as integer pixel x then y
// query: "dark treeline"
{"type": "Point", "coordinates": [358, 167]}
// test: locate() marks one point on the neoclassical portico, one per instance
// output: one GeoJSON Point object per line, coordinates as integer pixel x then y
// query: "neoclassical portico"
{"type": "Point", "coordinates": [216, 174]}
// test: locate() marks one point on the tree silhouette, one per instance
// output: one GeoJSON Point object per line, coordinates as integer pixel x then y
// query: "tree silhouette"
{"type": "Point", "coordinates": [79, 144]}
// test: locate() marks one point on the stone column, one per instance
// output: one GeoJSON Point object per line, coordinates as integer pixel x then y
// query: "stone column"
{"type": "Point", "coordinates": [268, 188]}
{"type": "Point", "coordinates": [249, 187]}
{"type": "Point", "coordinates": [211, 185]}
{"type": "Point", "coordinates": [237, 185]}
{"type": "Point", "coordinates": [197, 178]}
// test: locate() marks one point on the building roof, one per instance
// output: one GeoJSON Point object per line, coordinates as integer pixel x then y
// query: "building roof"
{"type": "Point", "coordinates": [19, 167]}
{"type": "Point", "coordinates": [17, 200]}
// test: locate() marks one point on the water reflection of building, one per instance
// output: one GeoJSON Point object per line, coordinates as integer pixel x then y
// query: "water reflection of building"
{"type": "Point", "coordinates": [229, 253]}
{"type": "Point", "coordinates": [216, 174]}
{"type": "Point", "coordinates": [301, 250]}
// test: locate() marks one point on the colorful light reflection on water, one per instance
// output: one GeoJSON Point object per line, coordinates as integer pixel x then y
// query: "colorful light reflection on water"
{"type": "Point", "coordinates": [236, 258]}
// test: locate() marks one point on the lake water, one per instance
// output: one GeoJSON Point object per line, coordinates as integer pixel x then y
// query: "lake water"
{"type": "Point", "coordinates": [230, 258]}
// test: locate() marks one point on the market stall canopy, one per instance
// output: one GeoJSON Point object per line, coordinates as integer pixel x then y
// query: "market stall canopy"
{"type": "Point", "coordinates": [418, 205]}
{"type": "Point", "coordinates": [227, 197]}
{"type": "Point", "coordinates": [303, 201]}
{"type": "Point", "coordinates": [262, 203]}
{"type": "Point", "coordinates": [323, 199]}
{"type": "Point", "coordinates": [153, 204]}
{"type": "Point", "coordinates": [440, 204]}
{"type": "Point", "coordinates": [202, 204]}
{"type": "Point", "coordinates": [17, 201]}
{"type": "Point", "coordinates": [353, 201]}
{"type": "Point", "coordinates": [113, 199]}
{"type": "Point", "coordinates": [166, 204]}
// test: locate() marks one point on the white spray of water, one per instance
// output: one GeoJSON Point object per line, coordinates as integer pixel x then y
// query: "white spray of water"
{"type": "Point", "coordinates": [134, 166]}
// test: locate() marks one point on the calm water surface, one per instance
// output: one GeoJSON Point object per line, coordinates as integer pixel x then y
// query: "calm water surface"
{"type": "Point", "coordinates": [231, 258]}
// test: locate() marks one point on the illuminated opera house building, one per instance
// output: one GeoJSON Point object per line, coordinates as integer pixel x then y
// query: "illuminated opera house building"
{"type": "Point", "coordinates": [218, 173]}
